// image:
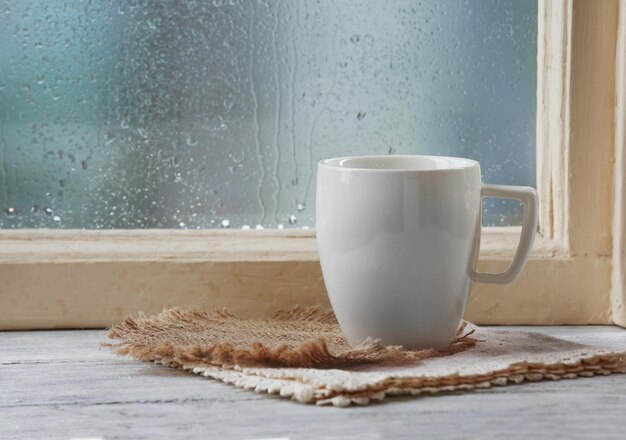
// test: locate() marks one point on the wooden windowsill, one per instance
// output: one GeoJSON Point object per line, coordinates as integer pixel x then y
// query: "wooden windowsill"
{"type": "Point", "coordinates": [52, 379]}
{"type": "Point", "coordinates": [91, 279]}
{"type": "Point", "coordinates": [66, 246]}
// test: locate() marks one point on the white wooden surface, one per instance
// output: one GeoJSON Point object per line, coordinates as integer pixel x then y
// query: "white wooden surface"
{"type": "Point", "coordinates": [59, 385]}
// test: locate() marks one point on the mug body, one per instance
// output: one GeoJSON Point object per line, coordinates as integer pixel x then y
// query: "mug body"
{"type": "Point", "coordinates": [396, 240]}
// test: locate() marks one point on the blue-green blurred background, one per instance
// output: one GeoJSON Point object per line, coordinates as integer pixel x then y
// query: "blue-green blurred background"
{"type": "Point", "coordinates": [201, 114]}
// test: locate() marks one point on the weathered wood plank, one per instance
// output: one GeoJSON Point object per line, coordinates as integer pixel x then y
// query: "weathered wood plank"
{"type": "Point", "coordinates": [58, 384]}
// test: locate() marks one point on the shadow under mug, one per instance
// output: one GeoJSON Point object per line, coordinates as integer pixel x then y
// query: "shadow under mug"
{"type": "Point", "coordinates": [398, 238]}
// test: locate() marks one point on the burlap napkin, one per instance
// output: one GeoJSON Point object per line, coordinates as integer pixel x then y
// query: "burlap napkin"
{"type": "Point", "coordinates": [301, 354]}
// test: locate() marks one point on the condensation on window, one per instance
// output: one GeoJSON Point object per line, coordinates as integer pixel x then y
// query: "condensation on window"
{"type": "Point", "coordinates": [213, 114]}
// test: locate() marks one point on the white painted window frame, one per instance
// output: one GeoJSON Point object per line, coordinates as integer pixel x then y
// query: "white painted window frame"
{"type": "Point", "coordinates": [70, 278]}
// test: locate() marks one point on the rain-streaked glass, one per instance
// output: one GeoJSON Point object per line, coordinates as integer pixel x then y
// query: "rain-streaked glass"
{"type": "Point", "coordinates": [202, 114]}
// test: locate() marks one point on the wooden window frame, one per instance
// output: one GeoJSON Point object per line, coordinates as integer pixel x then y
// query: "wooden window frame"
{"type": "Point", "coordinates": [618, 279]}
{"type": "Point", "coordinates": [576, 274]}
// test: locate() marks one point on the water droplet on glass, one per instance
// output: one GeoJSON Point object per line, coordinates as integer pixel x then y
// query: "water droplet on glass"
{"type": "Point", "coordinates": [391, 150]}
{"type": "Point", "coordinates": [259, 227]}
{"type": "Point", "coordinates": [280, 226]}
{"type": "Point", "coordinates": [124, 124]}
{"type": "Point", "coordinates": [55, 97]}
{"type": "Point", "coordinates": [109, 138]}
{"type": "Point", "coordinates": [38, 45]}
{"type": "Point", "coordinates": [142, 132]}
{"type": "Point", "coordinates": [62, 183]}
{"type": "Point", "coordinates": [305, 227]}
{"type": "Point", "coordinates": [56, 218]}
{"type": "Point", "coordinates": [225, 223]}
{"type": "Point", "coordinates": [223, 126]}
{"type": "Point", "coordinates": [84, 164]}
{"type": "Point", "coordinates": [182, 224]}
{"type": "Point", "coordinates": [300, 207]}
{"type": "Point", "coordinates": [293, 219]}
{"type": "Point", "coordinates": [191, 141]}
{"type": "Point", "coordinates": [355, 39]}
{"type": "Point", "coordinates": [11, 211]}
{"type": "Point", "coordinates": [48, 211]}
{"type": "Point", "coordinates": [35, 208]}
{"type": "Point", "coordinates": [40, 79]}
{"type": "Point", "coordinates": [245, 227]}
{"type": "Point", "coordinates": [360, 116]}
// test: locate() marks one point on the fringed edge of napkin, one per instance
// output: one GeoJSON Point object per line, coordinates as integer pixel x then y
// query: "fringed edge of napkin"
{"type": "Point", "coordinates": [141, 337]}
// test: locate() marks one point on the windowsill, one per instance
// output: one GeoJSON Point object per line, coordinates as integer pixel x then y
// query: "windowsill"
{"type": "Point", "coordinates": [90, 279]}
{"type": "Point", "coordinates": [57, 376]}
{"type": "Point", "coordinates": [64, 246]}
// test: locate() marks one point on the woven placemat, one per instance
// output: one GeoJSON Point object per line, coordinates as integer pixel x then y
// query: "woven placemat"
{"type": "Point", "coordinates": [301, 354]}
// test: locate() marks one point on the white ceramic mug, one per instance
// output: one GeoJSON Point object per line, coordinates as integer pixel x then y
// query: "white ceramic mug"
{"type": "Point", "coordinates": [398, 238]}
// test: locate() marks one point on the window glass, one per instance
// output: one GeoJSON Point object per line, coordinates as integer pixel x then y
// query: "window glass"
{"type": "Point", "coordinates": [204, 114]}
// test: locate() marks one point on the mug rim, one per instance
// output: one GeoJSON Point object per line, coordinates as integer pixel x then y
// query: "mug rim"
{"type": "Point", "coordinates": [384, 163]}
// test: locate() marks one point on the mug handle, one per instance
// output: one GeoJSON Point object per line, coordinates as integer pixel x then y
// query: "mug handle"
{"type": "Point", "coordinates": [528, 197]}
